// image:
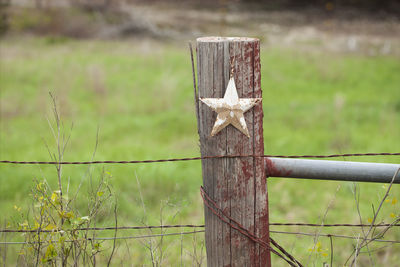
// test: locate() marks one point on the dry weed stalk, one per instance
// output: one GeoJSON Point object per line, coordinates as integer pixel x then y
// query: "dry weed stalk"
{"type": "Point", "coordinates": [365, 241]}
{"type": "Point", "coordinates": [56, 239]}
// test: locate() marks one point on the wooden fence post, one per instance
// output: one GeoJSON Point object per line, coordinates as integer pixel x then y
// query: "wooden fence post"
{"type": "Point", "coordinates": [237, 185]}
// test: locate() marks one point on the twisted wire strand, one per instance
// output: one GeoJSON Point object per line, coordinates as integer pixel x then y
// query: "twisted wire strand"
{"type": "Point", "coordinates": [196, 158]}
{"type": "Point", "coordinates": [336, 235]}
{"type": "Point", "coordinates": [333, 225]}
{"type": "Point", "coordinates": [102, 238]}
{"type": "Point", "coordinates": [104, 228]}
{"type": "Point", "coordinates": [202, 231]}
{"type": "Point", "coordinates": [187, 226]}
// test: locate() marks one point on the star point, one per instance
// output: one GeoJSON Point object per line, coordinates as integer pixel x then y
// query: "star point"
{"type": "Point", "coordinates": [230, 109]}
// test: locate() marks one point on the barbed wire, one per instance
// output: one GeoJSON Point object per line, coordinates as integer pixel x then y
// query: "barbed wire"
{"type": "Point", "coordinates": [185, 226]}
{"type": "Point", "coordinates": [199, 231]}
{"type": "Point", "coordinates": [333, 225]}
{"type": "Point", "coordinates": [335, 235]}
{"type": "Point", "coordinates": [105, 228]}
{"type": "Point", "coordinates": [289, 258]}
{"type": "Point", "coordinates": [212, 205]}
{"type": "Point", "coordinates": [102, 238]}
{"type": "Point", "coordinates": [196, 158]}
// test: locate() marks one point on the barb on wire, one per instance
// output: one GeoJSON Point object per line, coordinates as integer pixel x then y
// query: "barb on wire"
{"type": "Point", "coordinates": [195, 158]}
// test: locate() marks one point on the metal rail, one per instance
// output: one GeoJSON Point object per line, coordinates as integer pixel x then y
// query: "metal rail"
{"type": "Point", "coordinates": [332, 170]}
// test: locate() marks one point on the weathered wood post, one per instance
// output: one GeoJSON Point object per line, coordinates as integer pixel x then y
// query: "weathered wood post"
{"type": "Point", "coordinates": [237, 185]}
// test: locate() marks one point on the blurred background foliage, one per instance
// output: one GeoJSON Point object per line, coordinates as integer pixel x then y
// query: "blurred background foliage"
{"type": "Point", "coordinates": [331, 84]}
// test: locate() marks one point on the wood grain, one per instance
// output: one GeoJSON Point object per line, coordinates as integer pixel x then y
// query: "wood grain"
{"type": "Point", "coordinates": [238, 185]}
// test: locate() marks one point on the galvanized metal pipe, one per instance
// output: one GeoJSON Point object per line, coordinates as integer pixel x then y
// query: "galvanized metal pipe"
{"type": "Point", "coordinates": [332, 170]}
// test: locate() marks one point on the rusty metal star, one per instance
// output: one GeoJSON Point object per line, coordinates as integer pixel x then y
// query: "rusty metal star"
{"type": "Point", "coordinates": [230, 109]}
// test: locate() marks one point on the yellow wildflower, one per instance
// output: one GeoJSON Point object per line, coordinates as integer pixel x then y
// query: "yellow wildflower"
{"type": "Point", "coordinates": [17, 208]}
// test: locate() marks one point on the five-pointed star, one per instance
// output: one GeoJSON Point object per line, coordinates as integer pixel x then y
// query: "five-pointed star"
{"type": "Point", "coordinates": [230, 109]}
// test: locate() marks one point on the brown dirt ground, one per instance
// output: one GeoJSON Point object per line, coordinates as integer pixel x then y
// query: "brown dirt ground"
{"type": "Point", "coordinates": [328, 28]}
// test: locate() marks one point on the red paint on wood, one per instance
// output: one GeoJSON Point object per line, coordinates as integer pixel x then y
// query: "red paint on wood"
{"type": "Point", "coordinates": [263, 256]}
{"type": "Point", "coordinates": [247, 169]}
{"type": "Point", "coordinates": [237, 185]}
{"type": "Point", "coordinates": [273, 171]}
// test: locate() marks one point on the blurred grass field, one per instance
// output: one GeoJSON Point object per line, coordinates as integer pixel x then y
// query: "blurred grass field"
{"type": "Point", "coordinates": [139, 94]}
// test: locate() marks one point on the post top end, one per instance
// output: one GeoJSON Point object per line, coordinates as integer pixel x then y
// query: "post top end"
{"type": "Point", "coordinates": [224, 39]}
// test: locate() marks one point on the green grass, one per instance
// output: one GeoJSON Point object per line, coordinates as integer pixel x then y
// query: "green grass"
{"type": "Point", "coordinates": [139, 95]}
